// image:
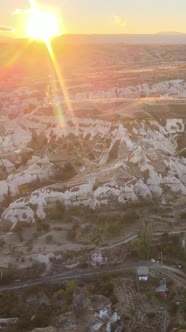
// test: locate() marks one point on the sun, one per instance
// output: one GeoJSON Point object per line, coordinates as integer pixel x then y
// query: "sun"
{"type": "Point", "coordinates": [42, 25]}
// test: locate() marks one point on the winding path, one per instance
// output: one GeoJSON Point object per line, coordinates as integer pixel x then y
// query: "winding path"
{"type": "Point", "coordinates": [172, 273]}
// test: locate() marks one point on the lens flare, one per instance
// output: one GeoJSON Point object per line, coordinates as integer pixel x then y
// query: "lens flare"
{"type": "Point", "coordinates": [42, 25]}
{"type": "Point", "coordinates": [59, 76]}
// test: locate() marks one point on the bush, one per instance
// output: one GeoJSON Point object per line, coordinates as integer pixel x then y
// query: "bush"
{"type": "Point", "coordinates": [7, 304]}
{"type": "Point", "coordinates": [66, 173]}
{"type": "Point", "coordinates": [107, 288]}
{"type": "Point", "coordinates": [57, 212]}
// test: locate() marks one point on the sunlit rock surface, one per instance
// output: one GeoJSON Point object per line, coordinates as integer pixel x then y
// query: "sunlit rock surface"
{"type": "Point", "coordinates": [117, 162]}
{"type": "Point", "coordinates": [171, 88]}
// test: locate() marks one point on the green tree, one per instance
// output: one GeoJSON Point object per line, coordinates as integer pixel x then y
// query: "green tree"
{"type": "Point", "coordinates": [141, 246]}
{"type": "Point", "coordinates": [137, 248]}
{"type": "Point", "coordinates": [146, 237]}
{"type": "Point", "coordinates": [69, 289]}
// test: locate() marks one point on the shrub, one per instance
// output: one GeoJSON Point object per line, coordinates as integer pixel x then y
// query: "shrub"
{"type": "Point", "coordinates": [66, 173]}
{"type": "Point", "coordinates": [57, 212]}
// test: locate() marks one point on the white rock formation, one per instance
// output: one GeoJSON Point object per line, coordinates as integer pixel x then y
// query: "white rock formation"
{"type": "Point", "coordinates": [145, 165]}
{"type": "Point", "coordinates": [37, 171]}
{"type": "Point", "coordinates": [106, 318]}
{"type": "Point", "coordinates": [3, 191]}
{"type": "Point", "coordinates": [174, 88]}
{"type": "Point", "coordinates": [8, 165]}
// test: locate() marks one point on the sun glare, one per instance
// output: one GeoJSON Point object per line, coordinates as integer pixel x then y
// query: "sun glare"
{"type": "Point", "coordinates": [42, 25]}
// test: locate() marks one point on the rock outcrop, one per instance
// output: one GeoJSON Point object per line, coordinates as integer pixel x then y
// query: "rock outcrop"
{"type": "Point", "coordinates": [121, 162]}
{"type": "Point", "coordinates": [45, 329]}
{"type": "Point", "coordinates": [171, 88]}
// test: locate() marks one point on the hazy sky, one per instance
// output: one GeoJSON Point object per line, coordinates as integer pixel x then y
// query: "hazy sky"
{"type": "Point", "coordinates": [103, 16]}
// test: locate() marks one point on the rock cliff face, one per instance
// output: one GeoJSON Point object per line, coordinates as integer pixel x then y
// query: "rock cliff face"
{"type": "Point", "coordinates": [170, 88]}
{"type": "Point", "coordinates": [116, 161]}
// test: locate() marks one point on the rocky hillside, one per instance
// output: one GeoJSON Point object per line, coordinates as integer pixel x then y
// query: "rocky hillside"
{"type": "Point", "coordinates": [169, 88]}
{"type": "Point", "coordinates": [91, 156]}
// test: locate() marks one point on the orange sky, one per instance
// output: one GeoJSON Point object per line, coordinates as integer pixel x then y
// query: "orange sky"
{"type": "Point", "coordinates": [95, 16]}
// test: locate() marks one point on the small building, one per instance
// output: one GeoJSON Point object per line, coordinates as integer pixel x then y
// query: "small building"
{"type": "Point", "coordinates": [143, 273]}
{"type": "Point", "coordinates": [162, 288]}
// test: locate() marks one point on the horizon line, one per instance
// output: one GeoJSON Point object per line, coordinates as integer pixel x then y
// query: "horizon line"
{"type": "Point", "coordinates": [166, 33]}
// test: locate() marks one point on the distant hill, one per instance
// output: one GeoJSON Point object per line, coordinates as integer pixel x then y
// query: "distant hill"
{"type": "Point", "coordinates": [170, 33]}
{"type": "Point", "coordinates": [6, 38]}
{"type": "Point", "coordinates": [160, 38]}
